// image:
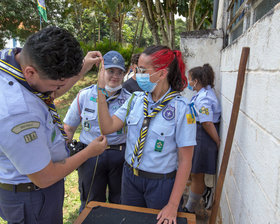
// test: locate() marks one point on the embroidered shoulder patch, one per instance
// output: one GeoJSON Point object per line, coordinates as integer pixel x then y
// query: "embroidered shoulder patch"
{"type": "Point", "coordinates": [30, 137]}
{"type": "Point", "coordinates": [24, 126]}
{"type": "Point", "coordinates": [190, 118]}
{"type": "Point", "coordinates": [204, 110]}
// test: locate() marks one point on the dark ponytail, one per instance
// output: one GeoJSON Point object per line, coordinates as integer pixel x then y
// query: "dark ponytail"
{"type": "Point", "coordinates": [204, 75]}
{"type": "Point", "coordinates": [164, 57]}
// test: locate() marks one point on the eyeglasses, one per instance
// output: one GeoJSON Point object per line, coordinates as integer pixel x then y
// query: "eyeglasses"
{"type": "Point", "coordinates": [112, 72]}
{"type": "Point", "coordinates": [142, 70]}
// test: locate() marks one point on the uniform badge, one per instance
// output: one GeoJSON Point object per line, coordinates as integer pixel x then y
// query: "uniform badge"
{"type": "Point", "coordinates": [190, 118]}
{"type": "Point", "coordinates": [86, 126]}
{"type": "Point", "coordinates": [121, 101]}
{"type": "Point", "coordinates": [30, 137]}
{"type": "Point", "coordinates": [168, 113]}
{"type": "Point", "coordinates": [89, 110]}
{"type": "Point", "coordinates": [119, 132]}
{"type": "Point", "coordinates": [53, 135]}
{"type": "Point", "coordinates": [204, 110]}
{"type": "Point", "coordinates": [24, 126]}
{"type": "Point", "coordinates": [93, 99]}
{"type": "Point", "coordinates": [159, 145]}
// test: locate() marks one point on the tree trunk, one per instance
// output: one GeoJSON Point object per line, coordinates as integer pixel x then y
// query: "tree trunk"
{"type": "Point", "coordinates": [135, 35]}
{"type": "Point", "coordinates": [146, 6]}
{"type": "Point", "coordinates": [141, 32]}
{"type": "Point", "coordinates": [162, 22]}
{"type": "Point", "coordinates": [191, 13]}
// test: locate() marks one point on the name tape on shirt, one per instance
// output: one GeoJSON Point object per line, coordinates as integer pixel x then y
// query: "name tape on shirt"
{"type": "Point", "coordinates": [24, 126]}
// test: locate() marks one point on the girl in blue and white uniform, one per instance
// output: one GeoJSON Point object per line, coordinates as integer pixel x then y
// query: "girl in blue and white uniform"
{"type": "Point", "coordinates": [160, 133]}
{"type": "Point", "coordinates": [208, 112]}
{"type": "Point", "coordinates": [84, 110]}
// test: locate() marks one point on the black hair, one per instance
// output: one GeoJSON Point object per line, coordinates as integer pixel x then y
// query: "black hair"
{"type": "Point", "coordinates": [54, 52]}
{"type": "Point", "coordinates": [174, 75]}
{"type": "Point", "coordinates": [204, 75]}
{"type": "Point", "coordinates": [135, 58]}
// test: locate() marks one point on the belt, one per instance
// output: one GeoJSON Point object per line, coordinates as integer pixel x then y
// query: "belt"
{"type": "Point", "coordinates": [26, 187]}
{"type": "Point", "coordinates": [119, 147]}
{"type": "Point", "coordinates": [142, 173]}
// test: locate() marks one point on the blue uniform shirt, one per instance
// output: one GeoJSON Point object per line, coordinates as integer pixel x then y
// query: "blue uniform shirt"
{"type": "Point", "coordinates": [168, 130]}
{"type": "Point", "coordinates": [89, 115]}
{"type": "Point", "coordinates": [29, 139]}
{"type": "Point", "coordinates": [207, 105]}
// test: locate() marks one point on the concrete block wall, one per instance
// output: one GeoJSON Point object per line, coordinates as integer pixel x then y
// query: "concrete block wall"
{"type": "Point", "coordinates": [251, 192]}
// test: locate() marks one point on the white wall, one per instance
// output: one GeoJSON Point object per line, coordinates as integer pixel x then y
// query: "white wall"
{"type": "Point", "coordinates": [200, 47]}
{"type": "Point", "coordinates": [252, 186]}
{"type": "Point", "coordinates": [251, 191]}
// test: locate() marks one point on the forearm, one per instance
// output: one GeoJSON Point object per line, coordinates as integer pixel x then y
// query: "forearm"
{"type": "Point", "coordinates": [69, 130]}
{"type": "Point", "coordinates": [55, 171]}
{"type": "Point", "coordinates": [209, 127]}
{"type": "Point", "coordinates": [107, 123]}
{"type": "Point", "coordinates": [183, 172]}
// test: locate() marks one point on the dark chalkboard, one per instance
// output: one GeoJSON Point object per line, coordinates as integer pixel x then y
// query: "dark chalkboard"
{"type": "Point", "coordinates": [103, 215]}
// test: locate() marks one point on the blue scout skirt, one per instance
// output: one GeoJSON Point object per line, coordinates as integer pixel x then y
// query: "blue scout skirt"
{"type": "Point", "coordinates": [205, 152]}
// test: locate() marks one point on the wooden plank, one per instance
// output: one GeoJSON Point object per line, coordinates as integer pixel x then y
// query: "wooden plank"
{"type": "Point", "coordinates": [191, 217]}
{"type": "Point", "coordinates": [230, 134]}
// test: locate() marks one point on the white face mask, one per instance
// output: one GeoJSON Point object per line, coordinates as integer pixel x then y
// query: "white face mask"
{"type": "Point", "coordinates": [111, 89]}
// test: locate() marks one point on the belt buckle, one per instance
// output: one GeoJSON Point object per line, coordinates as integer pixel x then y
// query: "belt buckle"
{"type": "Point", "coordinates": [135, 172]}
{"type": "Point", "coordinates": [120, 147]}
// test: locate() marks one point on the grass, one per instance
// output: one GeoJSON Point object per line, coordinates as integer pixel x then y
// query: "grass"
{"type": "Point", "coordinates": [72, 195]}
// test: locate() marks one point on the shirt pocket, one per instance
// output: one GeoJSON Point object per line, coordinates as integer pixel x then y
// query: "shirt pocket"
{"type": "Point", "coordinates": [162, 132]}
{"type": "Point", "coordinates": [89, 119]}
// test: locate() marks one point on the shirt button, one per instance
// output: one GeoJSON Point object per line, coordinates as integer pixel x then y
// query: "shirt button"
{"type": "Point", "coordinates": [161, 133]}
{"type": "Point", "coordinates": [11, 83]}
{"type": "Point", "coordinates": [128, 122]}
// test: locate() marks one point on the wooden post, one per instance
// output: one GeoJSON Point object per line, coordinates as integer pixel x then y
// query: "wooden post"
{"type": "Point", "coordinates": [230, 134]}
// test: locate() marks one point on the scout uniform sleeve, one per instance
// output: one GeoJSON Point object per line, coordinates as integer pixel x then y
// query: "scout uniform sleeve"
{"type": "Point", "coordinates": [205, 111]}
{"type": "Point", "coordinates": [73, 116]}
{"type": "Point", "coordinates": [185, 124]}
{"type": "Point", "coordinates": [25, 143]}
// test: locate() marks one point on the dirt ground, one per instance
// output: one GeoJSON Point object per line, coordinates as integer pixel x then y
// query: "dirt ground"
{"type": "Point", "coordinates": [202, 215]}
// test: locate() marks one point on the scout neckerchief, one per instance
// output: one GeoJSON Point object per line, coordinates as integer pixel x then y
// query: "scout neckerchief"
{"type": "Point", "coordinates": [111, 98]}
{"type": "Point", "coordinates": [17, 74]}
{"type": "Point", "coordinates": [138, 148]}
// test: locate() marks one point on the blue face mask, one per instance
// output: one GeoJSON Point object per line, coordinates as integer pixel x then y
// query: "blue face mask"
{"type": "Point", "coordinates": [190, 87]}
{"type": "Point", "coordinates": [143, 80]}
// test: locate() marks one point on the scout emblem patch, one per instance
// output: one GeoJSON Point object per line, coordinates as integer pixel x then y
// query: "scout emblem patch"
{"type": "Point", "coordinates": [159, 145]}
{"type": "Point", "coordinates": [190, 118]}
{"type": "Point", "coordinates": [204, 110]}
{"type": "Point", "coordinates": [168, 113]}
{"type": "Point", "coordinates": [86, 126]}
{"type": "Point", "coordinates": [121, 101]}
{"type": "Point", "coordinates": [30, 137]}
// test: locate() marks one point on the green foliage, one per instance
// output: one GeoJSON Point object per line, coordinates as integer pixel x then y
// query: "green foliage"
{"type": "Point", "coordinates": [107, 45]}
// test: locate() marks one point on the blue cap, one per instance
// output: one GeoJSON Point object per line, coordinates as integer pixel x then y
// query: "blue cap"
{"type": "Point", "coordinates": [113, 59]}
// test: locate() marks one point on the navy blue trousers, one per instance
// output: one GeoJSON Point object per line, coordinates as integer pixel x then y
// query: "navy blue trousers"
{"type": "Point", "coordinates": [42, 206]}
{"type": "Point", "coordinates": [108, 174]}
{"type": "Point", "coordinates": [144, 192]}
